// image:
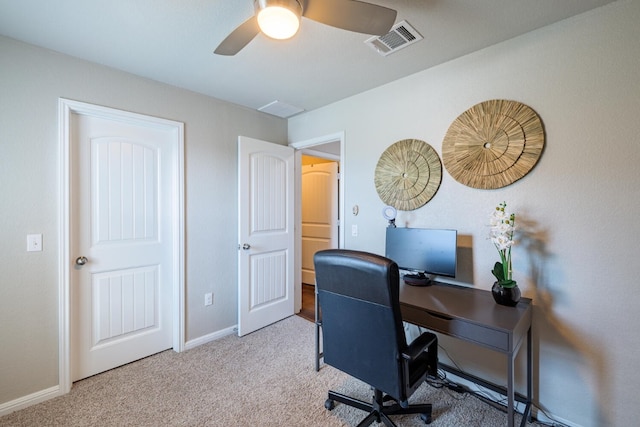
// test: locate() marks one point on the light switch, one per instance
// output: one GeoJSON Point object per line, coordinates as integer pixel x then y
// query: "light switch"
{"type": "Point", "coordinates": [354, 230]}
{"type": "Point", "coordinates": [34, 242]}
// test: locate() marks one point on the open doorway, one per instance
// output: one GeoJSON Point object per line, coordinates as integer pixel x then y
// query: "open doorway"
{"type": "Point", "coordinates": [319, 151]}
{"type": "Point", "coordinates": [319, 219]}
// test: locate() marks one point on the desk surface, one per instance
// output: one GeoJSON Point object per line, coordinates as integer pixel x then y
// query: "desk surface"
{"type": "Point", "coordinates": [466, 313]}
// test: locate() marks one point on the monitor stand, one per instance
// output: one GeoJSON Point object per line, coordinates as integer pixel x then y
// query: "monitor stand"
{"type": "Point", "coordinates": [419, 279]}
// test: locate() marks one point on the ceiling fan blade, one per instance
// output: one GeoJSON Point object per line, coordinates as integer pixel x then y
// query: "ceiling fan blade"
{"type": "Point", "coordinates": [239, 37]}
{"type": "Point", "coordinates": [351, 15]}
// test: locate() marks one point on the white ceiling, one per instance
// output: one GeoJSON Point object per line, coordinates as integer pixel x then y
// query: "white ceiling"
{"type": "Point", "coordinates": [172, 41]}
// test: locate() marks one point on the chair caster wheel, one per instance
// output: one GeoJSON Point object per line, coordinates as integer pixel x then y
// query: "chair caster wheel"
{"type": "Point", "coordinates": [329, 404]}
{"type": "Point", "coordinates": [426, 418]}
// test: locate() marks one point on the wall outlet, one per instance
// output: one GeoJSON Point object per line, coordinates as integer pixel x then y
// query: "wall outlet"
{"type": "Point", "coordinates": [34, 242]}
{"type": "Point", "coordinates": [208, 298]}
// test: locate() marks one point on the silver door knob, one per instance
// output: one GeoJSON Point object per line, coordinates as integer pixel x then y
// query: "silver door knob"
{"type": "Point", "coordinates": [246, 246]}
{"type": "Point", "coordinates": [81, 260]}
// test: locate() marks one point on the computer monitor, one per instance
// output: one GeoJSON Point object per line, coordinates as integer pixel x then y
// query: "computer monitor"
{"type": "Point", "coordinates": [423, 251]}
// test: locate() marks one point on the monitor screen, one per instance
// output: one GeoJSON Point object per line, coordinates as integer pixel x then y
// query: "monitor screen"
{"type": "Point", "coordinates": [423, 250]}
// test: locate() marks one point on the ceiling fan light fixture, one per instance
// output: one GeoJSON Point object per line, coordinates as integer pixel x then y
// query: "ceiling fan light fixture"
{"type": "Point", "coordinates": [278, 19]}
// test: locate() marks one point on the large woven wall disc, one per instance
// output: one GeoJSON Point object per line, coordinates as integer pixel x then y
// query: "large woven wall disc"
{"type": "Point", "coordinates": [408, 174]}
{"type": "Point", "coordinates": [493, 144]}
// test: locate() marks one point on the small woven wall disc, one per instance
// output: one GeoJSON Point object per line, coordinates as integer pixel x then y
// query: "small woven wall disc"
{"type": "Point", "coordinates": [493, 144]}
{"type": "Point", "coordinates": [408, 174]}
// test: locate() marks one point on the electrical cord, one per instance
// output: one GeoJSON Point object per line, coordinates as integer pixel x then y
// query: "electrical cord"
{"type": "Point", "coordinates": [500, 404]}
{"type": "Point", "coordinates": [441, 381]}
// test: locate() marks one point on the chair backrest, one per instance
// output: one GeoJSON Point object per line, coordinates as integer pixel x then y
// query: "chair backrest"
{"type": "Point", "coordinates": [362, 332]}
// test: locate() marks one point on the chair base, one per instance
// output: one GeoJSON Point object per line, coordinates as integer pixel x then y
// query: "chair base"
{"type": "Point", "coordinates": [377, 410]}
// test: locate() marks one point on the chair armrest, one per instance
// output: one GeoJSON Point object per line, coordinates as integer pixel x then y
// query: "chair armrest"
{"type": "Point", "coordinates": [419, 345]}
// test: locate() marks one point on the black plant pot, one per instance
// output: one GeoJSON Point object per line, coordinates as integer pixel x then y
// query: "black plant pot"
{"type": "Point", "coordinates": [506, 296]}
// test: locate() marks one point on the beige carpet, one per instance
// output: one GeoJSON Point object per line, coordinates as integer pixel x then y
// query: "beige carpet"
{"type": "Point", "coordinates": [264, 379]}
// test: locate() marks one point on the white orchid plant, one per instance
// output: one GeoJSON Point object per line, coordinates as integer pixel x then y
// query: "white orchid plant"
{"type": "Point", "coordinates": [502, 230]}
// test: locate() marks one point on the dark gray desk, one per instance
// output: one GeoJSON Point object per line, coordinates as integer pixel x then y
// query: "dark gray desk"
{"type": "Point", "coordinates": [473, 316]}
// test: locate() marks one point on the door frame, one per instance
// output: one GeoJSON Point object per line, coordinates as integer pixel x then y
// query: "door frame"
{"type": "Point", "coordinates": [306, 147]}
{"type": "Point", "coordinates": [66, 108]}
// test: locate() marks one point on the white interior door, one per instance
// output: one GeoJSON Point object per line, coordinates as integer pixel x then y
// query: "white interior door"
{"type": "Point", "coordinates": [319, 213]}
{"type": "Point", "coordinates": [124, 200]}
{"type": "Point", "coordinates": [265, 233]}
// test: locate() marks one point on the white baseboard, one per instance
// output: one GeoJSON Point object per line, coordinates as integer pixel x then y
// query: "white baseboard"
{"type": "Point", "coordinates": [550, 418]}
{"type": "Point", "coordinates": [55, 391]}
{"type": "Point", "coordinates": [210, 337]}
{"type": "Point", "coordinates": [30, 399]}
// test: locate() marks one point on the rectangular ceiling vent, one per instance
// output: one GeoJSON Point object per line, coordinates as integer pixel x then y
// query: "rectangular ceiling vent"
{"type": "Point", "coordinates": [401, 35]}
{"type": "Point", "coordinates": [281, 109]}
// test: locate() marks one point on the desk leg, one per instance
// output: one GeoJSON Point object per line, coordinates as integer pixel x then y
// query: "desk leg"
{"type": "Point", "coordinates": [526, 414]}
{"type": "Point", "coordinates": [510, 393]}
{"type": "Point", "coordinates": [527, 410]}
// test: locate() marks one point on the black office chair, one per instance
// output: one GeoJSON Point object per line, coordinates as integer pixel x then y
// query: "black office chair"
{"type": "Point", "coordinates": [363, 335]}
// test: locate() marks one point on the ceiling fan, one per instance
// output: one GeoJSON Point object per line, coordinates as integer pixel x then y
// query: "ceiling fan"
{"type": "Point", "coordinates": [280, 19]}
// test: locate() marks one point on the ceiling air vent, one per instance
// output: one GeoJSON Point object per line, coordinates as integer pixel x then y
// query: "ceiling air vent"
{"type": "Point", "coordinates": [281, 109]}
{"type": "Point", "coordinates": [401, 35]}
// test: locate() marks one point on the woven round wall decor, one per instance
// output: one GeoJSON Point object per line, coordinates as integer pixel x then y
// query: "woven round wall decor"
{"type": "Point", "coordinates": [493, 144]}
{"type": "Point", "coordinates": [408, 174]}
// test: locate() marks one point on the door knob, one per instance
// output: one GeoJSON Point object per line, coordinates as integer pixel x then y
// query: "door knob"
{"type": "Point", "coordinates": [81, 260]}
{"type": "Point", "coordinates": [246, 246]}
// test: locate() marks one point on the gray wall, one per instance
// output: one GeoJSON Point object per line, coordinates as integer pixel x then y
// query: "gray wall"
{"type": "Point", "coordinates": [579, 204]}
{"type": "Point", "coordinates": [31, 81]}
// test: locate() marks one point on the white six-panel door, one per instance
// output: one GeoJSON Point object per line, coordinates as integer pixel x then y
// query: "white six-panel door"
{"type": "Point", "coordinates": [265, 233]}
{"type": "Point", "coordinates": [122, 242]}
